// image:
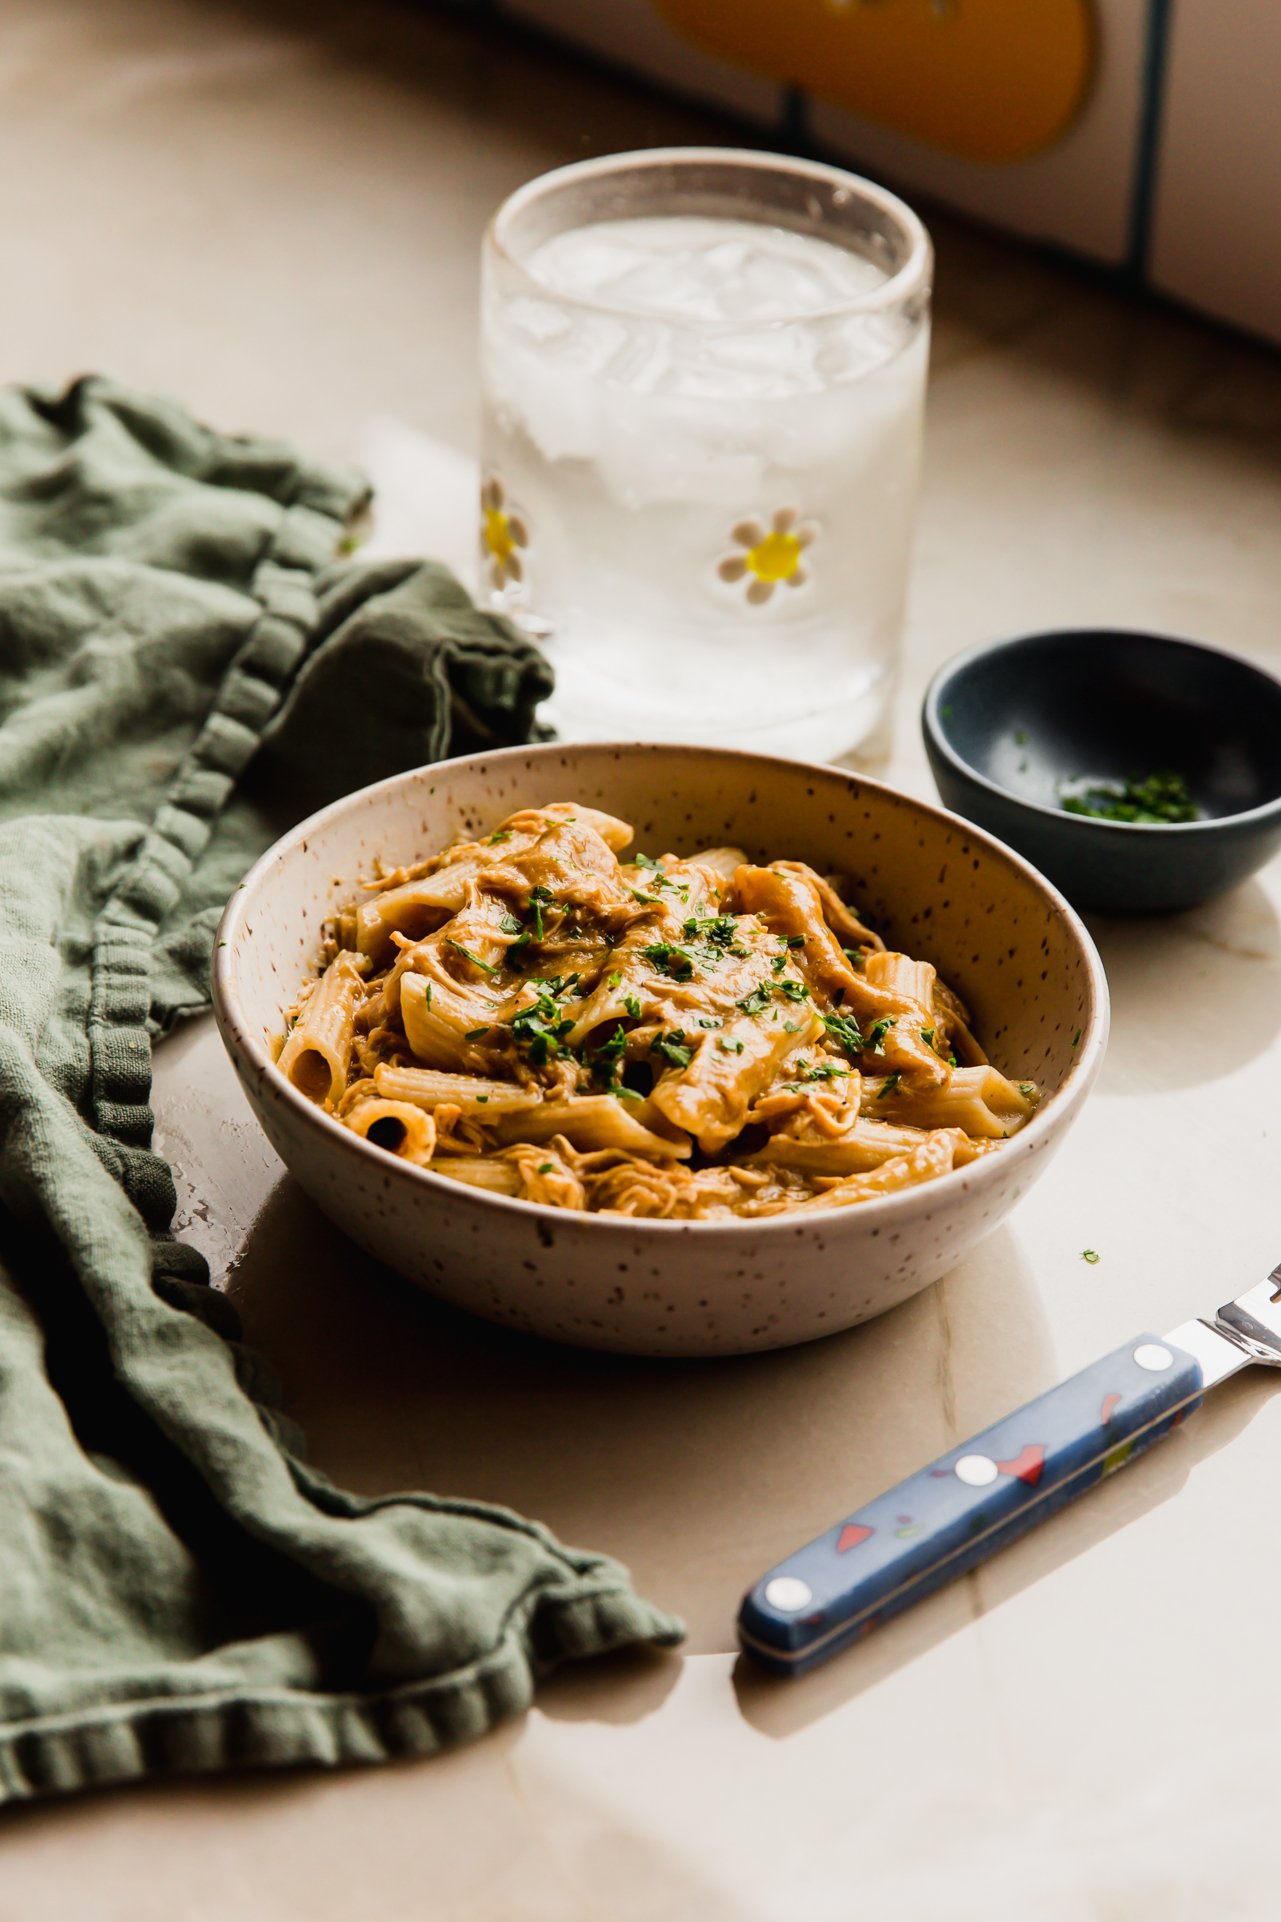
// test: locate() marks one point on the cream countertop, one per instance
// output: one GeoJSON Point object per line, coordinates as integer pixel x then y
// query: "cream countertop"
{"type": "Point", "coordinates": [278, 217]}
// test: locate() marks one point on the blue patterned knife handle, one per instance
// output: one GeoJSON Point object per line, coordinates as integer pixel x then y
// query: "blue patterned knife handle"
{"type": "Point", "coordinates": [966, 1505]}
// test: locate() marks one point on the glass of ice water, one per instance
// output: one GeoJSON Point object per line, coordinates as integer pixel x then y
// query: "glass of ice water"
{"type": "Point", "coordinates": [703, 375]}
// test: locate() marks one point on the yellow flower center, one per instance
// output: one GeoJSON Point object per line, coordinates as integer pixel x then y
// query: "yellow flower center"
{"type": "Point", "coordinates": [776, 558]}
{"type": "Point", "coordinates": [498, 536]}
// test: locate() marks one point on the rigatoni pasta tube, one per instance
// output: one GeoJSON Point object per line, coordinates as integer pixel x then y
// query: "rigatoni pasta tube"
{"type": "Point", "coordinates": [867, 1145]}
{"type": "Point", "coordinates": [395, 1125]}
{"type": "Point", "coordinates": [595, 1122]}
{"type": "Point", "coordinates": [490, 1172]}
{"type": "Point", "coordinates": [414, 908]}
{"type": "Point", "coordinates": [438, 1020]}
{"type": "Point", "coordinates": [316, 1056]}
{"type": "Point", "coordinates": [933, 1157]}
{"type": "Point", "coordinates": [473, 1093]}
{"type": "Point", "coordinates": [980, 1101]}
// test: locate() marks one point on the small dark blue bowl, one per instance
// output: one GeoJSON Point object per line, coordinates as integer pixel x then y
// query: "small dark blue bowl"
{"type": "Point", "coordinates": [1012, 727]}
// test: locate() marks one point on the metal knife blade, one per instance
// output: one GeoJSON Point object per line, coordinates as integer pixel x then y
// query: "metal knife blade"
{"type": "Point", "coordinates": [974, 1500]}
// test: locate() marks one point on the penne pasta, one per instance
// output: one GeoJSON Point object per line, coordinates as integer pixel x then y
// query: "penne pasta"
{"type": "Point", "coordinates": [675, 1037]}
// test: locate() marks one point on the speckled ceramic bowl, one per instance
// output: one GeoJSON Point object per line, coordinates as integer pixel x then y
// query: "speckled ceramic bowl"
{"type": "Point", "coordinates": [939, 888]}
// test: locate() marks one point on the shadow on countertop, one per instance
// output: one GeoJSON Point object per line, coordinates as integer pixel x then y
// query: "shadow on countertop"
{"type": "Point", "coordinates": [697, 1475]}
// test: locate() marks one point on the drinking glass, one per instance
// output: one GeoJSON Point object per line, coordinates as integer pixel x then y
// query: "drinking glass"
{"type": "Point", "coordinates": [703, 376]}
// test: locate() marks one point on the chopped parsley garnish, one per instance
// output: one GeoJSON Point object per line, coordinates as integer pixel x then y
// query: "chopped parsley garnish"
{"type": "Point", "coordinates": [758, 1000]}
{"type": "Point", "coordinates": [625, 1093]}
{"type": "Point", "coordinates": [660, 879]}
{"type": "Point", "coordinates": [822, 1070]}
{"type": "Point", "coordinates": [1026, 1090]}
{"type": "Point", "coordinates": [509, 924]}
{"type": "Point", "coordinates": [927, 1036]}
{"type": "Point", "coordinates": [539, 897]}
{"type": "Point", "coordinates": [1088, 1254]}
{"type": "Point", "coordinates": [875, 1043]}
{"type": "Point", "coordinates": [1159, 799]}
{"type": "Point", "coordinates": [844, 1029]}
{"type": "Point", "coordinates": [632, 1006]}
{"type": "Point", "coordinates": [778, 964]}
{"type": "Point", "coordinates": [547, 1167]}
{"type": "Point", "coordinates": [717, 930]}
{"type": "Point", "coordinates": [617, 1043]}
{"type": "Point", "coordinates": [541, 1028]}
{"type": "Point", "coordinates": [607, 1057]}
{"type": "Point", "coordinates": [486, 967]}
{"type": "Point", "coordinates": [710, 1021]}
{"type": "Point", "coordinates": [856, 958]}
{"type": "Point", "coordinates": [672, 959]}
{"type": "Point", "coordinates": [891, 1082]}
{"type": "Point", "coordinates": [791, 1027]}
{"type": "Point", "coordinates": [482, 1100]}
{"type": "Point", "coordinates": [614, 979]}
{"type": "Point", "coordinates": [673, 1048]}
{"type": "Point", "coordinates": [474, 1034]}
{"type": "Point", "coordinates": [793, 940]}
{"type": "Point", "coordinates": [428, 997]}
{"type": "Point", "coordinates": [648, 900]}
{"type": "Point", "coordinates": [729, 1047]}
{"type": "Point", "coordinates": [499, 834]}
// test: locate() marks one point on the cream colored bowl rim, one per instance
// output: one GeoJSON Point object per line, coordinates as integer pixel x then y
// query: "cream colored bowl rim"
{"type": "Point", "coordinates": [254, 1054]}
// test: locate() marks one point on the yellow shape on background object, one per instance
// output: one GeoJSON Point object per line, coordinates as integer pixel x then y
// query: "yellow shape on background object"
{"type": "Point", "coordinates": [498, 536]}
{"type": "Point", "coordinates": [776, 558]}
{"type": "Point", "coordinates": [982, 79]}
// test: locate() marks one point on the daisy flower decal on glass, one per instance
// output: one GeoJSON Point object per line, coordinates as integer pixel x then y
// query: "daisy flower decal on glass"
{"type": "Point", "coordinates": [502, 533]}
{"type": "Point", "coordinates": [770, 554]}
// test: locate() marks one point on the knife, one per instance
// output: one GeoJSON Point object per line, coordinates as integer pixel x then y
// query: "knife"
{"type": "Point", "coordinates": [977, 1498]}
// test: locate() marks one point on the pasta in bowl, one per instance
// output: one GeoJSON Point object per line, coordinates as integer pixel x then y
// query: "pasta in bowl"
{"type": "Point", "coordinates": [549, 1013]}
{"type": "Point", "coordinates": [496, 1037]}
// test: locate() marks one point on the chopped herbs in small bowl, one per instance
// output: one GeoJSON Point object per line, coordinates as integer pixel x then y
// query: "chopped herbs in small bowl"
{"type": "Point", "coordinates": [1150, 802]}
{"type": "Point", "coordinates": [1139, 772]}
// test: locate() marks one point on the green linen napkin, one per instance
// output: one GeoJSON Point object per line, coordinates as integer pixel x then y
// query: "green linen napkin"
{"type": "Point", "coordinates": [178, 1590]}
